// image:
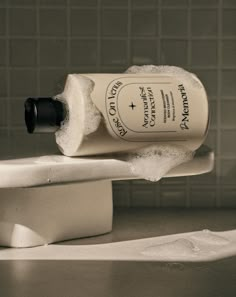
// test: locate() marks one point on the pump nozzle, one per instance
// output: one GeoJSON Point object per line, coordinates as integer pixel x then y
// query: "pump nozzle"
{"type": "Point", "coordinates": [43, 115]}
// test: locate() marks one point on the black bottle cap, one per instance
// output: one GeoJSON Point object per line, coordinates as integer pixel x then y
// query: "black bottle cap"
{"type": "Point", "coordinates": [43, 115]}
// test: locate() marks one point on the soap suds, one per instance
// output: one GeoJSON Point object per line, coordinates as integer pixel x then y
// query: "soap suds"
{"type": "Point", "coordinates": [153, 162]}
{"type": "Point", "coordinates": [209, 238]}
{"type": "Point", "coordinates": [183, 247]}
{"type": "Point", "coordinates": [85, 115]}
{"type": "Point", "coordinates": [188, 77]}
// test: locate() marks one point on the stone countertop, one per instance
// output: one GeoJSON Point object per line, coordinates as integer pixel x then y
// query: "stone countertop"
{"type": "Point", "coordinates": [72, 278]}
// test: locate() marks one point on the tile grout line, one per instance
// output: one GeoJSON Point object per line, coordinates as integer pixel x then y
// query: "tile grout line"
{"type": "Point", "coordinates": [219, 91]}
{"type": "Point", "coordinates": [129, 24]}
{"type": "Point", "coordinates": [189, 59]}
{"type": "Point", "coordinates": [68, 37]}
{"type": "Point", "coordinates": [99, 35]}
{"type": "Point", "coordinates": [38, 48]}
{"type": "Point", "coordinates": [8, 103]}
{"type": "Point", "coordinates": [119, 7]}
{"type": "Point", "coordinates": [141, 37]}
{"type": "Point", "coordinates": [158, 185]}
{"type": "Point", "coordinates": [128, 63]}
{"type": "Point", "coordinates": [159, 29]}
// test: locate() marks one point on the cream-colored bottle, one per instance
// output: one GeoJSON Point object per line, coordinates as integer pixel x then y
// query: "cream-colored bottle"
{"type": "Point", "coordinates": [104, 113]}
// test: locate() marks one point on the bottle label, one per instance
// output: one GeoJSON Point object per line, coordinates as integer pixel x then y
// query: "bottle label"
{"type": "Point", "coordinates": [143, 109]}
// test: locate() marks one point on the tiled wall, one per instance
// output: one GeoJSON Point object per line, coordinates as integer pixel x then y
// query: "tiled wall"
{"type": "Point", "coordinates": [43, 40]}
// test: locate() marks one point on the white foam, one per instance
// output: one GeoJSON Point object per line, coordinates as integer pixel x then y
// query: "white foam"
{"type": "Point", "coordinates": [82, 117]}
{"type": "Point", "coordinates": [188, 77]}
{"type": "Point", "coordinates": [173, 248]}
{"type": "Point", "coordinates": [209, 238]}
{"type": "Point", "coordinates": [182, 247]}
{"type": "Point", "coordinates": [153, 162]}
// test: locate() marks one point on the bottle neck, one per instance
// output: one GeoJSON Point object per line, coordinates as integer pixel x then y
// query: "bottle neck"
{"type": "Point", "coordinates": [44, 115]}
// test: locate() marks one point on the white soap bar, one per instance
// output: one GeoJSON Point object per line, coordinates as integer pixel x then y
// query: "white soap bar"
{"type": "Point", "coordinates": [55, 169]}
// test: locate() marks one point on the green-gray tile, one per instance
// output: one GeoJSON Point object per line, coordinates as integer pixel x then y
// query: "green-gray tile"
{"type": "Point", "coordinates": [83, 22]}
{"type": "Point", "coordinates": [53, 52]}
{"type": "Point", "coordinates": [22, 21]}
{"type": "Point", "coordinates": [83, 52]}
{"type": "Point", "coordinates": [115, 22]}
{"type": "Point", "coordinates": [53, 22]}
{"type": "Point", "coordinates": [23, 52]}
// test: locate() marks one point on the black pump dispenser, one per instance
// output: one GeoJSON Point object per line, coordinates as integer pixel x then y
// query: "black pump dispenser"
{"type": "Point", "coordinates": [43, 115]}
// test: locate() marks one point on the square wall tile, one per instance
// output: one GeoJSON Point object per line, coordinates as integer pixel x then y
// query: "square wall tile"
{"type": "Point", "coordinates": [142, 183]}
{"type": "Point", "coordinates": [114, 52]}
{"type": "Point", "coordinates": [228, 198]}
{"type": "Point", "coordinates": [228, 143]}
{"type": "Point", "coordinates": [3, 113]}
{"type": "Point", "coordinates": [229, 53]}
{"type": "Point", "coordinates": [144, 52]}
{"type": "Point", "coordinates": [229, 3]}
{"type": "Point", "coordinates": [4, 143]}
{"type": "Point", "coordinates": [85, 3]}
{"type": "Point", "coordinates": [114, 22]}
{"type": "Point", "coordinates": [54, 3]}
{"type": "Point", "coordinates": [229, 22]}
{"type": "Point", "coordinates": [174, 52]}
{"type": "Point", "coordinates": [53, 52]}
{"type": "Point", "coordinates": [173, 198]}
{"type": "Point", "coordinates": [204, 22]}
{"type": "Point", "coordinates": [228, 83]}
{"type": "Point", "coordinates": [120, 3]}
{"type": "Point", "coordinates": [203, 3]}
{"type": "Point", "coordinates": [83, 52]}
{"type": "Point", "coordinates": [143, 196]}
{"type": "Point", "coordinates": [121, 195]}
{"type": "Point", "coordinates": [23, 144]}
{"type": "Point", "coordinates": [174, 3]}
{"type": "Point", "coordinates": [174, 22]}
{"type": "Point", "coordinates": [146, 3]}
{"type": "Point", "coordinates": [204, 53]}
{"type": "Point", "coordinates": [53, 22]}
{"type": "Point", "coordinates": [17, 112]}
{"type": "Point", "coordinates": [2, 21]}
{"type": "Point", "coordinates": [21, 2]}
{"type": "Point", "coordinates": [213, 113]}
{"type": "Point", "coordinates": [173, 181]}
{"type": "Point", "coordinates": [23, 52]}
{"type": "Point", "coordinates": [83, 22]}
{"type": "Point", "coordinates": [52, 81]}
{"type": "Point", "coordinates": [203, 198]}
{"type": "Point", "coordinates": [23, 82]}
{"type": "Point", "coordinates": [144, 22]}
{"type": "Point", "coordinates": [3, 52]}
{"type": "Point", "coordinates": [47, 145]}
{"type": "Point", "coordinates": [228, 108]}
{"type": "Point", "coordinates": [22, 21]}
{"type": "Point", "coordinates": [112, 69]}
{"type": "Point", "coordinates": [228, 172]}
{"type": "Point", "coordinates": [209, 80]}
{"type": "Point", "coordinates": [3, 83]}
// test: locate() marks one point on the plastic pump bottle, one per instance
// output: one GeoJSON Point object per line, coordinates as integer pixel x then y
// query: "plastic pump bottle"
{"type": "Point", "coordinates": [104, 113]}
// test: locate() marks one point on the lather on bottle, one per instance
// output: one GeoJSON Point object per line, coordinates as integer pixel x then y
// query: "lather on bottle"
{"type": "Point", "coordinates": [105, 113]}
